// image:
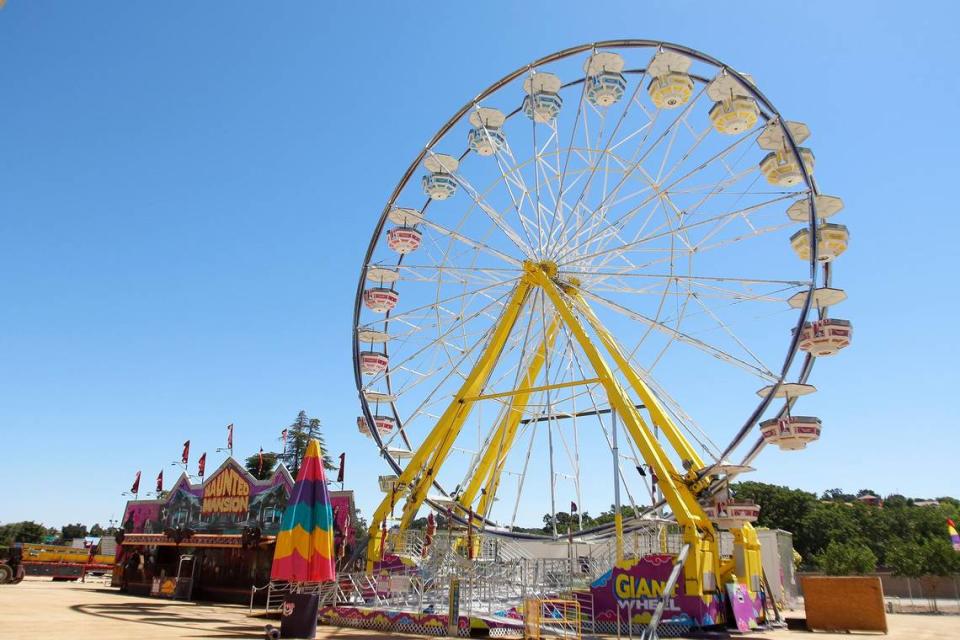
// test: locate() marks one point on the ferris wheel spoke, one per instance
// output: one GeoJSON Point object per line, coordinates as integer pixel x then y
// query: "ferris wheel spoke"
{"type": "Point", "coordinates": [683, 113]}
{"type": "Point", "coordinates": [726, 328]}
{"type": "Point", "coordinates": [597, 412]}
{"type": "Point", "coordinates": [455, 235]}
{"type": "Point", "coordinates": [514, 176]}
{"type": "Point", "coordinates": [491, 273]}
{"type": "Point", "coordinates": [394, 316]}
{"type": "Point", "coordinates": [494, 215]}
{"type": "Point", "coordinates": [658, 233]}
{"type": "Point", "coordinates": [593, 165]}
{"type": "Point", "coordinates": [682, 337]}
{"type": "Point", "coordinates": [631, 213]}
{"type": "Point", "coordinates": [442, 337]}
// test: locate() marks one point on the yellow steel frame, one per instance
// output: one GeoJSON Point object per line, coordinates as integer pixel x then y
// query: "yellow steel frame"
{"type": "Point", "coordinates": [679, 490]}
{"type": "Point", "coordinates": [490, 466]}
{"type": "Point", "coordinates": [419, 473]}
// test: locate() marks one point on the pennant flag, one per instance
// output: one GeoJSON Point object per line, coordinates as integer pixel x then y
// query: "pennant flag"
{"type": "Point", "coordinates": [343, 462]}
{"type": "Point", "coordinates": [260, 462]}
{"type": "Point", "coordinates": [573, 507]}
{"type": "Point", "coordinates": [160, 481]}
{"type": "Point", "coordinates": [954, 536]}
{"type": "Point", "coordinates": [202, 464]}
{"type": "Point", "coordinates": [304, 551]}
{"type": "Point", "coordinates": [185, 456]}
{"type": "Point", "coordinates": [136, 484]}
{"type": "Point", "coordinates": [230, 436]}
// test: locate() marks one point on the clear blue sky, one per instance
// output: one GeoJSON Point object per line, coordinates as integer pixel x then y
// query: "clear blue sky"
{"type": "Point", "coordinates": [187, 189]}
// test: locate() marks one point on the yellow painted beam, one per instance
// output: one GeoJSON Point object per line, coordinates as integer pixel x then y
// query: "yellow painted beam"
{"type": "Point", "coordinates": [419, 473]}
{"type": "Point", "coordinates": [697, 529]}
{"type": "Point", "coordinates": [494, 458]}
{"type": "Point", "coordinates": [683, 504]}
{"type": "Point", "coordinates": [650, 401]}
{"type": "Point", "coordinates": [532, 390]}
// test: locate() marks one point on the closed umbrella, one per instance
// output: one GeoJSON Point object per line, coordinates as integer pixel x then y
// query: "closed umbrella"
{"type": "Point", "coordinates": [304, 551]}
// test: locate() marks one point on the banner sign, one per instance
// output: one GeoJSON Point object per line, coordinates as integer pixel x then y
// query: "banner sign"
{"type": "Point", "coordinates": [226, 492]}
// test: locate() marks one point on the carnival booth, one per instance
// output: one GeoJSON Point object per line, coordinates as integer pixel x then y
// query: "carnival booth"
{"type": "Point", "coordinates": [212, 540]}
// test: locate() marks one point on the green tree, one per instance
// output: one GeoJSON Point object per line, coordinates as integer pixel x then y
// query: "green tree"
{"type": "Point", "coordinates": [845, 558]}
{"type": "Point", "coordinates": [939, 558]}
{"type": "Point", "coordinates": [299, 434]}
{"type": "Point", "coordinates": [72, 531]}
{"type": "Point", "coordinates": [25, 531]}
{"type": "Point", "coordinates": [96, 530]}
{"type": "Point", "coordinates": [252, 464]}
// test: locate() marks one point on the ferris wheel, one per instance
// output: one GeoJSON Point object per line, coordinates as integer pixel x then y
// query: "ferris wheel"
{"type": "Point", "coordinates": [590, 273]}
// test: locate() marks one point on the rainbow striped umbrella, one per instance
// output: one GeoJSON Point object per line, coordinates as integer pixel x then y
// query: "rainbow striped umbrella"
{"type": "Point", "coordinates": [304, 551]}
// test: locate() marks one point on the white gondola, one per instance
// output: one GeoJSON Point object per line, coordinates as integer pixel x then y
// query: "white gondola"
{"type": "Point", "coordinates": [486, 136]}
{"type": "Point", "coordinates": [832, 240]}
{"type": "Point", "coordinates": [439, 183]}
{"type": "Point", "coordinates": [384, 425]}
{"type": "Point", "coordinates": [791, 433]}
{"type": "Point", "coordinates": [733, 514]}
{"type": "Point", "coordinates": [827, 206]}
{"type": "Point", "coordinates": [788, 390]}
{"type": "Point", "coordinates": [543, 102]}
{"type": "Point", "coordinates": [400, 454]}
{"type": "Point", "coordinates": [382, 275]}
{"type": "Point", "coordinates": [373, 362]}
{"type": "Point", "coordinates": [823, 297]}
{"type": "Point", "coordinates": [734, 110]}
{"type": "Point", "coordinates": [825, 337]}
{"type": "Point", "coordinates": [404, 240]}
{"type": "Point", "coordinates": [605, 82]}
{"type": "Point", "coordinates": [379, 397]}
{"type": "Point", "coordinates": [670, 86]}
{"type": "Point", "coordinates": [405, 217]}
{"type": "Point", "coordinates": [380, 299]}
{"type": "Point", "coordinates": [372, 336]}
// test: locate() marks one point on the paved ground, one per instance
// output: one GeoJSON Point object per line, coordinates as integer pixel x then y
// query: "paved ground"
{"type": "Point", "coordinates": [40, 609]}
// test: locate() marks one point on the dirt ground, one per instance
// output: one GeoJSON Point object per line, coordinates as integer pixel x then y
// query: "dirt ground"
{"type": "Point", "coordinates": [38, 608]}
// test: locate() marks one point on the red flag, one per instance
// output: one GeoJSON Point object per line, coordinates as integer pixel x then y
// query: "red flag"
{"type": "Point", "coordinates": [343, 461]}
{"type": "Point", "coordinates": [260, 458]}
{"type": "Point", "coordinates": [160, 481]}
{"type": "Point", "coordinates": [573, 507]}
{"type": "Point", "coordinates": [230, 436]}
{"type": "Point", "coordinates": [136, 484]}
{"type": "Point", "coordinates": [185, 456]}
{"type": "Point", "coordinates": [202, 463]}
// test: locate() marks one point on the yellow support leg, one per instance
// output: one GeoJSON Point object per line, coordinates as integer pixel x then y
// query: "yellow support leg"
{"type": "Point", "coordinates": [494, 458]}
{"type": "Point", "coordinates": [702, 566]}
{"type": "Point", "coordinates": [657, 413]}
{"type": "Point", "coordinates": [418, 475]}
{"type": "Point", "coordinates": [746, 553]}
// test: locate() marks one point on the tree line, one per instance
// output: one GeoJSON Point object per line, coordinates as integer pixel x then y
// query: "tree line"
{"type": "Point", "coordinates": [840, 535]}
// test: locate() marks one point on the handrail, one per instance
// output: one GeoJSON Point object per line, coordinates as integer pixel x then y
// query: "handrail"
{"type": "Point", "coordinates": [650, 633]}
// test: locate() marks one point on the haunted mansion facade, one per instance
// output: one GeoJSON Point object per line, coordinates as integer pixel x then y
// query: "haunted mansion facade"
{"type": "Point", "coordinates": [213, 540]}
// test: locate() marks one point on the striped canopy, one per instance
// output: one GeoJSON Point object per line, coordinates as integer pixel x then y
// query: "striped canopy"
{"type": "Point", "coordinates": [304, 551]}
